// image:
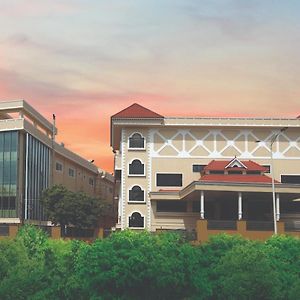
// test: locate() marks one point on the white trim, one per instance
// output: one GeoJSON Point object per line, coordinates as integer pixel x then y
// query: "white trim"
{"type": "Point", "coordinates": [136, 149]}
{"type": "Point", "coordinates": [235, 162]}
{"type": "Point", "coordinates": [149, 183]}
{"type": "Point", "coordinates": [169, 187]}
{"type": "Point", "coordinates": [26, 178]}
{"type": "Point", "coordinates": [123, 185]}
{"type": "Point", "coordinates": [136, 211]}
{"type": "Point", "coordinates": [136, 175]}
{"type": "Point", "coordinates": [132, 201]}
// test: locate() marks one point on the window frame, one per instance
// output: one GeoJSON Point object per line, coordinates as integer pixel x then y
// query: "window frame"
{"type": "Point", "coordinates": [288, 175]}
{"type": "Point", "coordinates": [136, 175]}
{"type": "Point", "coordinates": [62, 166]}
{"type": "Point", "coordinates": [136, 201]}
{"type": "Point", "coordinates": [91, 181]}
{"type": "Point", "coordinates": [135, 148]}
{"type": "Point", "coordinates": [169, 186]}
{"type": "Point", "coordinates": [203, 166]}
{"type": "Point", "coordinates": [70, 169]}
{"type": "Point", "coordinates": [136, 228]}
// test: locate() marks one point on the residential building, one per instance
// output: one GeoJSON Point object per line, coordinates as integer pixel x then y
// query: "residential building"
{"type": "Point", "coordinates": [31, 161]}
{"type": "Point", "coordinates": [206, 174]}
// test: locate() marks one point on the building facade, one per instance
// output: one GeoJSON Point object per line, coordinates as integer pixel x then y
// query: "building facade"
{"type": "Point", "coordinates": [31, 161]}
{"type": "Point", "coordinates": [167, 174]}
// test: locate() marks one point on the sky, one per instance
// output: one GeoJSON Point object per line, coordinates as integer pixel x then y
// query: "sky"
{"type": "Point", "coordinates": [85, 60]}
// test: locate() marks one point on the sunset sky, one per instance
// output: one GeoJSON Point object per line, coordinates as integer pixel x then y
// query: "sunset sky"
{"type": "Point", "coordinates": [85, 60]}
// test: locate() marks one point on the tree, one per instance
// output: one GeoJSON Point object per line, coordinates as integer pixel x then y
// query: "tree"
{"type": "Point", "coordinates": [65, 208]}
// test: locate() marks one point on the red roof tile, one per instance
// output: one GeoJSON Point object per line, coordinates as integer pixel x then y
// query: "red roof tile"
{"type": "Point", "coordinates": [136, 111]}
{"type": "Point", "coordinates": [219, 165]}
{"type": "Point", "coordinates": [237, 178]}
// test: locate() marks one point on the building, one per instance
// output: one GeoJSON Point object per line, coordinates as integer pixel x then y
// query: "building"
{"type": "Point", "coordinates": [206, 175]}
{"type": "Point", "coordinates": [31, 161]}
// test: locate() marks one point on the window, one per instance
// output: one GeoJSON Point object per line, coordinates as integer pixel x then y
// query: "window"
{"type": "Point", "coordinates": [290, 179]}
{"type": "Point", "coordinates": [136, 194]}
{"type": "Point", "coordinates": [268, 168]}
{"type": "Point", "coordinates": [71, 172]}
{"type": "Point", "coordinates": [58, 167]}
{"type": "Point", "coordinates": [216, 172]}
{"type": "Point", "coordinates": [198, 168]}
{"type": "Point", "coordinates": [169, 179]}
{"type": "Point", "coordinates": [91, 181]}
{"type": "Point", "coordinates": [136, 141]}
{"type": "Point", "coordinates": [136, 220]}
{"type": "Point", "coordinates": [253, 172]}
{"type": "Point", "coordinates": [171, 206]}
{"type": "Point", "coordinates": [234, 172]}
{"type": "Point", "coordinates": [136, 168]}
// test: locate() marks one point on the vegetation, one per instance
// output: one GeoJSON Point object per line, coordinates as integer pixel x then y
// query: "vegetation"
{"type": "Point", "coordinates": [68, 208]}
{"type": "Point", "coordinates": [132, 265]}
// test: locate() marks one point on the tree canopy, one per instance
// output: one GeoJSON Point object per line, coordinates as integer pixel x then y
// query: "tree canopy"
{"type": "Point", "coordinates": [69, 208]}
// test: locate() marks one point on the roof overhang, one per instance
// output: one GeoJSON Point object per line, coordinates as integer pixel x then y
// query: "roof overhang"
{"type": "Point", "coordinates": [117, 124]}
{"type": "Point", "coordinates": [225, 187]}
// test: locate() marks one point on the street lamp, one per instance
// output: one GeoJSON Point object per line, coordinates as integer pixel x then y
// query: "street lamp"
{"type": "Point", "coordinates": [273, 139]}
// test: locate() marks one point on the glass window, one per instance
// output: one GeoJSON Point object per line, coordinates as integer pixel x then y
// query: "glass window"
{"type": "Point", "coordinates": [198, 168]}
{"type": "Point", "coordinates": [136, 141]}
{"type": "Point", "coordinates": [171, 206]}
{"type": "Point", "coordinates": [268, 167]}
{"type": "Point", "coordinates": [91, 181]}
{"type": "Point", "coordinates": [136, 220]}
{"type": "Point", "coordinates": [8, 173]}
{"type": "Point", "coordinates": [169, 179]}
{"type": "Point", "coordinates": [253, 172]}
{"type": "Point", "coordinates": [58, 166]}
{"type": "Point", "coordinates": [38, 176]}
{"type": "Point", "coordinates": [136, 194]}
{"type": "Point", "coordinates": [216, 172]}
{"type": "Point", "coordinates": [136, 167]}
{"type": "Point", "coordinates": [290, 179]}
{"type": "Point", "coordinates": [234, 172]}
{"type": "Point", "coordinates": [71, 172]}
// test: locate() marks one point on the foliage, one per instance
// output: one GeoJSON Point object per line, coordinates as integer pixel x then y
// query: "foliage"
{"type": "Point", "coordinates": [141, 265]}
{"type": "Point", "coordinates": [68, 208]}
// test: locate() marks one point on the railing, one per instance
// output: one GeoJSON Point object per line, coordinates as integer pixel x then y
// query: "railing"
{"type": "Point", "coordinates": [221, 225]}
{"type": "Point", "coordinates": [292, 225]}
{"type": "Point", "coordinates": [260, 225]}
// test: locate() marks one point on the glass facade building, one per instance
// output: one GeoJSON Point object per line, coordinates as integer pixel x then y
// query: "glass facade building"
{"type": "Point", "coordinates": [37, 177]}
{"type": "Point", "coordinates": [8, 174]}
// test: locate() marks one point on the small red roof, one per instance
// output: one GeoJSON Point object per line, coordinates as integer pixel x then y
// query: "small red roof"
{"type": "Point", "coordinates": [237, 178]}
{"type": "Point", "coordinates": [136, 111]}
{"type": "Point", "coordinates": [220, 165]}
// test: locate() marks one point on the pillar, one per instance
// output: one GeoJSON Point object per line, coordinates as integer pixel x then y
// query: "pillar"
{"type": "Point", "coordinates": [202, 205]}
{"type": "Point", "coordinates": [240, 207]}
{"type": "Point", "coordinates": [277, 207]}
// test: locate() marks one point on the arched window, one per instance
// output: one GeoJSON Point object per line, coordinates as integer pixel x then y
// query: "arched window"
{"type": "Point", "coordinates": [136, 167]}
{"type": "Point", "coordinates": [136, 220]}
{"type": "Point", "coordinates": [136, 194]}
{"type": "Point", "coordinates": [136, 141]}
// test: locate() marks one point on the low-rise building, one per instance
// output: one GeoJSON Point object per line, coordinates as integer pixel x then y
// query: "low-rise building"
{"type": "Point", "coordinates": [206, 174]}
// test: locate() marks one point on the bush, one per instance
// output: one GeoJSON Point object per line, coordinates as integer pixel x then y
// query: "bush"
{"type": "Point", "coordinates": [140, 265]}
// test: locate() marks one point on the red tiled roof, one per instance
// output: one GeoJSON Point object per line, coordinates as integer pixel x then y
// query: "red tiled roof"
{"type": "Point", "coordinates": [219, 165]}
{"type": "Point", "coordinates": [136, 111]}
{"type": "Point", "coordinates": [237, 178]}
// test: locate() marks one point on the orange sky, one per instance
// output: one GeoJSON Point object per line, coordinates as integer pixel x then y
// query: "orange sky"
{"type": "Point", "coordinates": [87, 62]}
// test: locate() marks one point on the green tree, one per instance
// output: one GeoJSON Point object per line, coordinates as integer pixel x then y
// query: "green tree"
{"type": "Point", "coordinates": [246, 272]}
{"type": "Point", "coordinates": [68, 208]}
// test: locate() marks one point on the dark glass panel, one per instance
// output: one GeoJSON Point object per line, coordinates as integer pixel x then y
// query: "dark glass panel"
{"type": "Point", "coordinates": [169, 179]}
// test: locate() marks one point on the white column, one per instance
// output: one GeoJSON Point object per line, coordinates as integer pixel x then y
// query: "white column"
{"type": "Point", "coordinates": [202, 205]}
{"type": "Point", "coordinates": [240, 207]}
{"type": "Point", "coordinates": [277, 207]}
